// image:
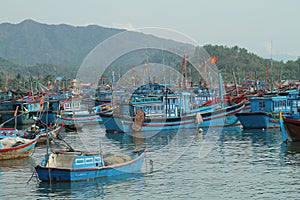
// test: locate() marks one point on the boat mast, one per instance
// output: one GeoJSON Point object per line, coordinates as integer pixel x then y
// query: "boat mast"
{"type": "Point", "coordinates": [163, 62]}
{"type": "Point", "coordinates": [183, 72]}
{"type": "Point", "coordinates": [166, 100]}
{"type": "Point", "coordinates": [221, 88]}
{"type": "Point", "coordinates": [235, 82]}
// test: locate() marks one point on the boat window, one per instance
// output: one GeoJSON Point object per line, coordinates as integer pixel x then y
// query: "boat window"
{"type": "Point", "coordinates": [88, 160]}
{"type": "Point", "coordinates": [284, 104]}
{"type": "Point", "coordinates": [79, 161]}
{"type": "Point", "coordinates": [262, 105]}
{"type": "Point", "coordinates": [97, 159]}
{"type": "Point", "coordinates": [275, 105]}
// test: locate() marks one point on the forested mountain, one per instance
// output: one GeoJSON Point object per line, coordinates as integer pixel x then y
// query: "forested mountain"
{"type": "Point", "coordinates": [30, 42]}
{"type": "Point", "coordinates": [30, 48]}
{"type": "Point", "coordinates": [247, 64]}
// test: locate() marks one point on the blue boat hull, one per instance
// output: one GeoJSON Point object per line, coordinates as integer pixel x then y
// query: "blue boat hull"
{"type": "Point", "coordinates": [257, 120]}
{"type": "Point", "coordinates": [89, 119]}
{"type": "Point", "coordinates": [123, 124]}
{"type": "Point", "coordinates": [68, 175]}
{"type": "Point", "coordinates": [27, 118]}
{"type": "Point", "coordinates": [221, 118]}
{"type": "Point", "coordinates": [21, 120]}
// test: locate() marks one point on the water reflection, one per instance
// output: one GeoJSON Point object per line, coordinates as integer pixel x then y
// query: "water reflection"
{"type": "Point", "coordinates": [164, 147]}
{"type": "Point", "coordinates": [291, 153]}
{"type": "Point", "coordinates": [255, 136]}
{"type": "Point", "coordinates": [15, 165]}
{"type": "Point", "coordinates": [89, 189]}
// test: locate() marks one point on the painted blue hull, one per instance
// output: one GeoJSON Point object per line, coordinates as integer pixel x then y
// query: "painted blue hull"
{"type": "Point", "coordinates": [21, 120]}
{"type": "Point", "coordinates": [257, 120]}
{"type": "Point", "coordinates": [26, 111]}
{"type": "Point", "coordinates": [87, 119]}
{"type": "Point", "coordinates": [80, 174]}
{"type": "Point", "coordinates": [27, 118]}
{"type": "Point", "coordinates": [123, 124]}
{"type": "Point", "coordinates": [221, 118]}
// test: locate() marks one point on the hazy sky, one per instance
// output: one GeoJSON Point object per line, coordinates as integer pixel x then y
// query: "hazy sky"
{"type": "Point", "coordinates": [251, 24]}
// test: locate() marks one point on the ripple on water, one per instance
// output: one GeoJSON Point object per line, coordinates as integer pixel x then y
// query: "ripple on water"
{"type": "Point", "coordinates": [239, 164]}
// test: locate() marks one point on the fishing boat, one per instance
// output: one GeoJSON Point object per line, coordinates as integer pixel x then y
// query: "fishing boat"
{"type": "Point", "coordinates": [291, 130]}
{"type": "Point", "coordinates": [73, 113]}
{"type": "Point", "coordinates": [158, 107]}
{"type": "Point", "coordinates": [22, 112]}
{"type": "Point", "coordinates": [102, 96]}
{"type": "Point", "coordinates": [290, 123]}
{"type": "Point", "coordinates": [43, 133]}
{"type": "Point", "coordinates": [68, 166]}
{"type": "Point", "coordinates": [152, 107]}
{"type": "Point", "coordinates": [49, 133]}
{"type": "Point", "coordinates": [5, 96]}
{"type": "Point", "coordinates": [264, 112]}
{"type": "Point", "coordinates": [16, 147]}
{"type": "Point", "coordinates": [221, 116]}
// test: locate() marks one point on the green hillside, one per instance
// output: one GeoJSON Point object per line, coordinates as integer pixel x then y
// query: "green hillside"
{"type": "Point", "coordinates": [31, 49]}
{"type": "Point", "coordinates": [247, 64]}
{"type": "Point", "coordinates": [30, 42]}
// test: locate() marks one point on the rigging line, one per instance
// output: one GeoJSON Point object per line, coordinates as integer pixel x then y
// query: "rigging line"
{"type": "Point", "coordinates": [12, 118]}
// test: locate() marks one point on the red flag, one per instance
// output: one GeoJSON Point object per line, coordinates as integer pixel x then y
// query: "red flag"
{"type": "Point", "coordinates": [213, 59]}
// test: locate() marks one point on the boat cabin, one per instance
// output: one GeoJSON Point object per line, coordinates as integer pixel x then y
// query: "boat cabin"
{"type": "Point", "coordinates": [270, 104]}
{"type": "Point", "coordinates": [156, 106]}
{"type": "Point", "coordinates": [74, 160]}
{"type": "Point", "coordinates": [71, 105]}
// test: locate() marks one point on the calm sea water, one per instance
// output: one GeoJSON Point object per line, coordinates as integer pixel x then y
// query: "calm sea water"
{"type": "Point", "coordinates": [228, 164]}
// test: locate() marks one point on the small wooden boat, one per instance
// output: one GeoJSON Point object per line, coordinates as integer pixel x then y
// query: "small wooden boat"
{"type": "Point", "coordinates": [67, 166]}
{"type": "Point", "coordinates": [50, 133]}
{"type": "Point", "coordinates": [16, 147]}
{"type": "Point", "coordinates": [31, 132]}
